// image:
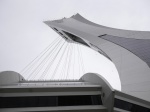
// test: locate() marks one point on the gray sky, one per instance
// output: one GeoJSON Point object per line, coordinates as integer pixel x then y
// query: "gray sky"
{"type": "Point", "coordinates": [23, 35]}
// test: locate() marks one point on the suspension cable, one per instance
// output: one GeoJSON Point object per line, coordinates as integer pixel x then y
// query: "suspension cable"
{"type": "Point", "coordinates": [29, 66]}
{"type": "Point", "coordinates": [52, 57]}
{"type": "Point", "coordinates": [47, 68]}
{"type": "Point", "coordinates": [70, 57]}
{"type": "Point", "coordinates": [64, 62]}
{"type": "Point", "coordinates": [58, 64]}
{"type": "Point", "coordinates": [44, 60]}
{"type": "Point", "coordinates": [81, 59]}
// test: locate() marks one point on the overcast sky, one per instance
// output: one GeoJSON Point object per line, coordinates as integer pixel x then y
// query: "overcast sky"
{"type": "Point", "coordinates": [23, 35]}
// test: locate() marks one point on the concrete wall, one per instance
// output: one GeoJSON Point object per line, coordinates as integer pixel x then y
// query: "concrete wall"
{"type": "Point", "coordinates": [10, 77]}
{"type": "Point", "coordinates": [107, 90]}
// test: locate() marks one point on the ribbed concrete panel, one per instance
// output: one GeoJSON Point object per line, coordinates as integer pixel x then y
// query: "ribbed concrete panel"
{"type": "Point", "coordinates": [139, 47]}
{"type": "Point", "coordinates": [113, 31]}
{"type": "Point", "coordinates": [133, 71]}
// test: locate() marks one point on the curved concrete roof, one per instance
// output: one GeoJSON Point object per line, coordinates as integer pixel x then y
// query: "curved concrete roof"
{"type": "Point", "coordinates": [129, 50]}
{"type": "Point", "coordinates": [10, 77]}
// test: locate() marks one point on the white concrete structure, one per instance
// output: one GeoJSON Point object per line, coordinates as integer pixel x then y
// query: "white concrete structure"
{"type": "Point", "coordinates": [128, 50]}
{"type": "Point", "coordinates": [91, 93]}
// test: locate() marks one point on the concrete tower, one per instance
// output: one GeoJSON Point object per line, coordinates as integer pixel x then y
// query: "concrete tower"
{"type": "Point", "coordinates": [128, 50]}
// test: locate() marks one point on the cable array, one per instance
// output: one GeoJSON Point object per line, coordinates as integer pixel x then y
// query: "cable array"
{"type": "Point", "coordinates": [61, 60]}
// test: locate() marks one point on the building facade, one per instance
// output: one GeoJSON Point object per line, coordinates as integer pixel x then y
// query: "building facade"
{"type": "Point", "coordinates": [91, 93]}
